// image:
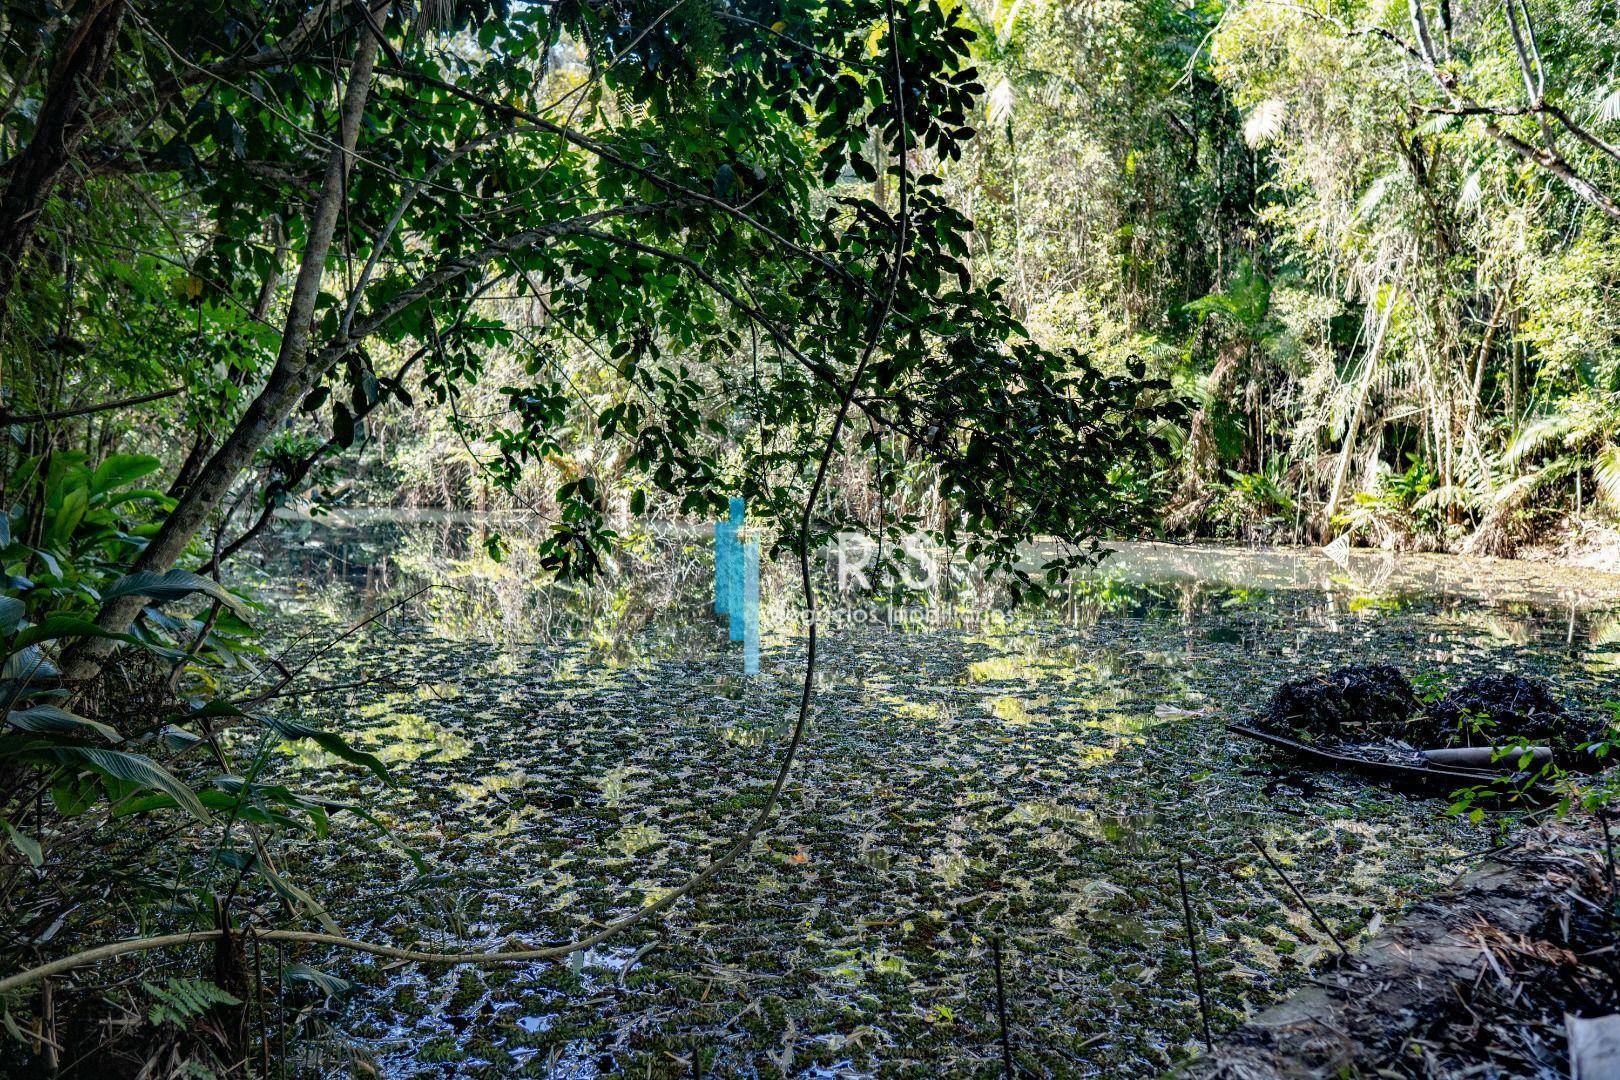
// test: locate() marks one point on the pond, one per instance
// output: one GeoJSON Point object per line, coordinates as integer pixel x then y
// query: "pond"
{"type": "Point", "coordinates": [563, 755]}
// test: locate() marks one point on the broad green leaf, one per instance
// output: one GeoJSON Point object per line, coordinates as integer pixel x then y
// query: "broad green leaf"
{"type": "Point", "coordinates": [67, 518]}
{"type": "Point", "coordinates": [136, 769]}
{"type": "Point", "coordinates": [25, 844]}
{"type": "Point", "coordinates": [331, 743]}
{"type": "Point", "coordinates": [11, 613]}
{"type": "Point", "coordinates": [65, 626]}
{"type": "Point", "coordinates": [26, 662]}
{"type": "Point", "coordinates": [52, 719]}
{"type": "Point", "coordinates": [76, 793]}
{"type": "Point", "coordinates": [172, 585]}
{"type": "Point", "coordinates": [121, 469]}
{"type": "Point", "coordinates": [330, 985]}
{"type": "Point", "coordinates": [297, 895]}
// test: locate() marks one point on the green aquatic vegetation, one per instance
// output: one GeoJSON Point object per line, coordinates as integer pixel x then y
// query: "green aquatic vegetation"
{"type": "Point", "coordinates": [920, 824]}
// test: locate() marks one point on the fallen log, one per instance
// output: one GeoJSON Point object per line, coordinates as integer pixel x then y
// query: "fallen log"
{"type": "Point", "coordinates": [1414, 769]}
{"type": "Point", "coordinates": [1484, 757]}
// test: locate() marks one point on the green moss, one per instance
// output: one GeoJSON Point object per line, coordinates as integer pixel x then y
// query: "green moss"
{"type": "Point", "coordinates": [469, 988]}
{"type": "Point", "coordinates": [440, 1051]}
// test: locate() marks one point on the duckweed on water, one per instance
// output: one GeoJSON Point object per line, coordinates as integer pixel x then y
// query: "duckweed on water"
{"type": "Point", "coordinates": [1036, 782]}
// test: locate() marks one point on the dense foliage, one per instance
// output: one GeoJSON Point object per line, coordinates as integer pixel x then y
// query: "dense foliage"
{"type": "Point", "coordinates": [1377, 244]}
{"type": "Point", "coordinates": [986, 271]}
{"type": "Point", "coordinates": [635, 258]}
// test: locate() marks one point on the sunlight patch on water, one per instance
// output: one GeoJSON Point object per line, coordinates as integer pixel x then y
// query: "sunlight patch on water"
{"type": "Point", "coordinates": [919, 710]}
{"type": "Point", "coordinates": [411, 737]}
{"type": "Point", "coordinates": [1016, 710]}
{"type": "Point", "coordinates": [635, 838]}
{"type": "Point", "coordinates": [489, 786]}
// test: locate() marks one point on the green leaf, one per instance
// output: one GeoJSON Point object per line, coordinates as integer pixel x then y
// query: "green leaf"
{"type": "Point", "coordinates": [52, 719]}
{"type": "Point", "coordinates": [67, 518]}
{"type": "Point", "coordinates": [331, 743]}
{"type": "Point", "coordinates": [182, 1001]}
{"type": "Point", "coordinates": [330, 985]}
{"type": "Point", "coordinates": [294, 894]}
{"type": "Point", "coordinates": [11, 1027]}
{"type": "Point", "coordinates": [137, 769]}
{"type": "Point", "coordinates": [11, 612]}
{"type": "Point", "coordinates": [27, 662]}
{"type": "Point", "coordinates": [342, 425]}
{"type": "Point", "coordinates": [1606, 472]}
{"type": "Point", "coordinates": [121, 469]}
{"type": "Point", "coordinates": [172, 585]}
{"type": "Point", "coordinates": [25, 844]}
{"type": "Point", "coordinates": [64, 626]}
{"type": "Point", "coordinates": [75, 794]}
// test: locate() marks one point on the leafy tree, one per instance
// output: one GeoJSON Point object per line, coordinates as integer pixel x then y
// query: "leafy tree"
{"type": "Point", "coordinates": [247, 232]}
{"type": "Point", "coordinates": [657, 183]}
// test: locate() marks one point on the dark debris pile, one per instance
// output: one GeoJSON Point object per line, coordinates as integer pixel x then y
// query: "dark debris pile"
{"type": "Point", "coordinates": [1511, 1021]}
{"type": "Point", "coordinates": [1485, 709]}
{"type": "Point", "coordinates": [1471, 984]}
{"type": "Point", "coordinates": [1356, 703]}
{"type": "Point", "coordinates": [1366, 704]}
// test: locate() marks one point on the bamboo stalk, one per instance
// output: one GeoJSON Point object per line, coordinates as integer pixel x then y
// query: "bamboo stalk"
{"type": "Point", "coordinates": [1309, 907]}
{"type": "Point", "coordinates": [1001, 1010]}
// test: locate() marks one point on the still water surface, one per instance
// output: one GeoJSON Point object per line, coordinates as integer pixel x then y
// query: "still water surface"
{"type": "Point", "coordinates": [565, 754]}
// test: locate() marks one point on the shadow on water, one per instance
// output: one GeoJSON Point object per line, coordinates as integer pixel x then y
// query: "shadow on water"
{"type": "Point", "coordinates": [565, 754]}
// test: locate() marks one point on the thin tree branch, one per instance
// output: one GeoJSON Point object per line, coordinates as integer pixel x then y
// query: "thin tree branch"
{"type": "Point", "coordinates": [85, 410]}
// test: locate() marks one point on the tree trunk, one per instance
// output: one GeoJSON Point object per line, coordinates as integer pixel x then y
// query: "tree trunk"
{"type": "Point", "coordinates": [282, 390]}
{"type": "Point", "coordinates": [75, 78]}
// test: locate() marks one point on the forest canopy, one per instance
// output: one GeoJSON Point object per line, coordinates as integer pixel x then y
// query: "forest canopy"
{"type": "Point", "coordinates": [1374, 244]}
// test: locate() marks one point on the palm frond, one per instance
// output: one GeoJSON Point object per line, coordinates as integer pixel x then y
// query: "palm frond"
{"type": "Point", "coordinates": [1447, 496]}
{"type": "Point", "coordinates": [1537, 434]}
{"type": "Point", "coordinates": [1606, 473]}
{"type": "Point", "coordinates": [1518, 489]}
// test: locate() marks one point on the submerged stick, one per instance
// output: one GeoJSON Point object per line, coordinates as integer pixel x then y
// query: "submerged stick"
{"type": "Point", "coordinates": [1192, 947]}
{"type": "Point", "coordinates": [1001, 1011]}
{"type": "Point", "coordinates": [1309, 907]}
{"type": "Point", "coordinates": [1608, 855]}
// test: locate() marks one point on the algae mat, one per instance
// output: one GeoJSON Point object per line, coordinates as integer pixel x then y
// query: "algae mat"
{"type": "Point", "coordinates": [562, 759]}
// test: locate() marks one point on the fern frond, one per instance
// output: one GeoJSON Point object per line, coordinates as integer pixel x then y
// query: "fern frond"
{"type": "Point", "coordinates": [1606, 472]}
{"type": "Point", "coordinates": [180, 1001]}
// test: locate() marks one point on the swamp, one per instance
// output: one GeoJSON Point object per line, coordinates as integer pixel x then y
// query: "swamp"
{"type": "Point", "coordinates": [829, 539]}
{"type": "Point", "coordinates": [1033, 779]}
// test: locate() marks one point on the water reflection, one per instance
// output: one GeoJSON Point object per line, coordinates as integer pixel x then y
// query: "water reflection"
{"type": "Point", "coordinates": [645, 604]}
